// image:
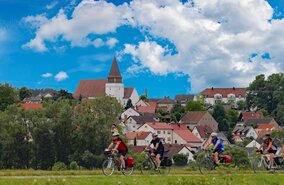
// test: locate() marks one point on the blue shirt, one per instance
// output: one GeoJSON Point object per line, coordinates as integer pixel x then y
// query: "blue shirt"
{"type": "Point", "coordinates": [221, 145]}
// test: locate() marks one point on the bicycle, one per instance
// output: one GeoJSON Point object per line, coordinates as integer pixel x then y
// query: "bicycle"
{"type": "Point", "coordinates": [262, 163]}
{"type": "Point", "coordinates": [206, 165]}
{"type": "Point", "coordinates": [112, 161]}
{"type": "Point", "coordinates": [149, 166]}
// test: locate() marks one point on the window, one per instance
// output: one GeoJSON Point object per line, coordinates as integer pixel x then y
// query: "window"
{"type": "Point", "coordinates": [169, 132]}
{"type": "Point", "coordinates": [164, 132]}
{"type": "Point", "coordinates": [158, 132]}
{"type": "Point", "coordinates": [176, 142]}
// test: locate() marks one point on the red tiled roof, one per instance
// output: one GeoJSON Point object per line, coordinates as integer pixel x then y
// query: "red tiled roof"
{"type": "Point", "coordinates": [32, 105]}
{"type": "Point", "coordinates": [204, 131]}
{"type": "Point", "coordinates": [166, 100]}
{"type": "Point", "coordinates": [210, 92]}
{"type": "Point", "coordinates": [193, 117]}
{"type": "Point", "coordinates": [153, 104]}
{"type": "Point", "coordinates": [90, 88]}
{"type": "Point", "coordinates": [262, 133]}
{"type": "Point", "coordinates": [265, 126]}
{"type": "Point", "coordinates": [188, 136]}
{"type": "Point", "coordinates": [128, 92]}
{"type": "Point", "coordinates": [147, 109]}
{"type": "Point", "coordinates": [160, 126]}
{"type": "Point", "coordinates": [179, 127]}
{"type": "Point", "coordinates": [252, 115]}
{"type": "Point", "coordinates": [137, 135]}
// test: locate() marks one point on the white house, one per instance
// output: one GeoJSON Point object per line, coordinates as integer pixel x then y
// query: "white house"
{"type": "Point", "coordinates": [174, 149]}
{"type": "Point", "coordinates": [244, 132]}
{"type": "Point", "coordinates": [182, 135]}
{"type": "Point", "coordinates": [213, 95]}
{"type": "Point", "coordinates": [129, 112]}
{"type": "Point", "coordinates": [142, 103]}
{"type": "Point", "coordinates": [138, 138]}
{"type": "Point", "coordinates": [134, 122]}
{"type": "Point", "coordinates": [164, 130]}
{"type": "Point", "coordinates": [112, 86]}
{"type": "Point", "coordinates": [202, 132]}
{"type": "Point", "coordinates": [253, 144]}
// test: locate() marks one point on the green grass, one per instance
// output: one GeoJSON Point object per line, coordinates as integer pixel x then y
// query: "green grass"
{"type": "Point", "coordinates": [153, 180]}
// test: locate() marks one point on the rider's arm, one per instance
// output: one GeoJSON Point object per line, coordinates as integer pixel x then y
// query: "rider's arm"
{"type": "Point", "coordinates": [117, 144]}
{"type": "Point", "coordinates": [209, 143]}
{"type": "Point", "coordinates": [156, 147]}
{"type": "Point", "coordinates": [110, 146]}
{"type": "Point", "coordinates": [261, 146]}
{"type": "Point", "coordinates": [216, 145]}
{"type": "Point", "coordinates": [148, 146]}
{"type": "Point", "coordinates": [269, 146]}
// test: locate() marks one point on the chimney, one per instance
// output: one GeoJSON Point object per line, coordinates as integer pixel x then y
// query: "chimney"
{"type": "Point", "coordinates": [178, 124]}
{"type": "Point", "coordinates": [234, 88]}
{"type": "Point", "coordinates": [212, 88]}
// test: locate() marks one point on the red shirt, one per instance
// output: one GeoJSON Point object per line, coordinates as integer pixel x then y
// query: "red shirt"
{"type": "Point", "coordinates": [122, 146]}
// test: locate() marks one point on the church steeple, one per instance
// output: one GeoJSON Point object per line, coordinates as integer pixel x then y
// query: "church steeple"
{"type": "Point", "coordinates": [114, 74]}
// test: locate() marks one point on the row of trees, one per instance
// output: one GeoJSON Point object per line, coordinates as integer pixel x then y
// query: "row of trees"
{"type": "Point", "coordinates": [64, 131]}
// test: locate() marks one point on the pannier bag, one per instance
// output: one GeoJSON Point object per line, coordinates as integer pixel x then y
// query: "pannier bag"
{"type": "Point", "coordinates": [279, 160]}
{"type": "Point", "coordinates": [130, 162]}
{"type": "Point", "coordinates": [166, 162]}
{"type": "Point", "coordinates": [226, 158]}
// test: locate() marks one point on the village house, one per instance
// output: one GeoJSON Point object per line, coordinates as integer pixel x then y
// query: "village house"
{"type": "Point", "coordinates": [164, 130]}
{"type": "Point", "coordinates": [182, 135]}
{"type": "Point", "coordinates": [241, 132]}
{"type": "Point", "coordinates": [164, 104]}
{"type": "Point", "coordinates": [112, 86]}
{"type": "Point", "coordinates": [134, 122]}
{"type": "Point", "coordinates": [213, 96]}
{"type": "Point", "coordinates": [138, 138]}
{"type": "Point", "coordinates": [257, 122]}
{"type": "Point", "coordinates": [199, 118]}
{"type": "Point", "coordinates": [127, 113]}
{"type": "Point", "coordinates": [31, 105]}
{"type": "Point", "coordinates": [183, 99]}
{"type": "Point", "coordinates": [245, 116]}
{"type": "Point", "coordinates": [202, 132]}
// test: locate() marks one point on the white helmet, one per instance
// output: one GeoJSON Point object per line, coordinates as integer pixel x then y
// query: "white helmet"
{"type": "Point", "coordinates": [154, 134]}
{"type": "Point", "coordinates": [214, 134]}
{"type": "Point", "coordinates": [115, 134]}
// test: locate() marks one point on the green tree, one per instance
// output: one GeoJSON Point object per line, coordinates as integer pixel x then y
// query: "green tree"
{"type": "Point", "coordinates": [242, 105]}
{"type": "Point", "coordinates": [223, 125]}
{"type": "Point", "coordinates": [143, 97]}
{"type": "Point", "coordinates": [180, 159]}
{"type": "Point", "coordinates": [24, 92]}
{"type": "Point", "coordinates": [232, 117]}
{"type": "Point", "coordinates": [8, 96]}
{"type": "Point", "coordinates": [177, 112]}
{"type": "Point", "coordinates": [219, 113]}
{"type": "Point", "coordinates": [194, 106]}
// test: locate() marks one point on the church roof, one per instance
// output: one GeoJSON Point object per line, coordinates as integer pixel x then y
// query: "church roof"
{"type": "Point", "coordinates": [114, 70]}
{"type": "Point", "coordinates": [128, 92]}
{"type": "Point", "coordinates": [90, 88]}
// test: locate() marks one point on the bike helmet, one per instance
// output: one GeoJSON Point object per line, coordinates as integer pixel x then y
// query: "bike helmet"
{"type": "Point", "coordinates": [213, 134]}
{"type": "Point", "coordinates": [154, 134]}
{"type": "Point", "coordinates": [115, 134]}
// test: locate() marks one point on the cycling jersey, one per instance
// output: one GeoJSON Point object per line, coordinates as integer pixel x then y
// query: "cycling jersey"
{"type": "Point", "coordinates": [160, 147]}
{"type": "Point", "coordinates": [122, 146]}
{"type": "Point", "coordinates": [220, 145]}
{"type": "Point", "coordinates": [266, 144]}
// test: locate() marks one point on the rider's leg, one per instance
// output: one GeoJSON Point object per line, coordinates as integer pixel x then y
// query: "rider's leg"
{"type": "Point", "coordinates": [271, 160]}
{"type": "Point", "coordinates": [122, 161]}
{"type": "Point", "coordinates": [154, 158]}
{"type": "Point", "coordinates": [158, 156]}
{"type": "Point", "coordinates": [216, 157]}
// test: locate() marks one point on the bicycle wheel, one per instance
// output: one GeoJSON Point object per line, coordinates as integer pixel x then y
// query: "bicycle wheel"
{"type": "Point", "coordinates": [108, 167]}
{"type": "Point", "coordinates": [147, 167]}
{"type": "Point", "coordinates": [206, 166]}
{"type": "Point", "coordinates": [128, 171]}
{"type": "Point", "coordinates": [258, 165]}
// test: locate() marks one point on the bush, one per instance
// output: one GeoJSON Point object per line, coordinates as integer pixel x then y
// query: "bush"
{"type": "Point", "coordinates": [91, 161]}
{"type": "Point", "coordinates": [59, 166]}
{"type": "Point", "coordinates": [192, 166]}
{"type": "Point", "coordinates": [180, 159]}
{"type": "Point", "coordinates": [139, 158]}
{"type": "Point", "coordinates": [73, 165]}
{"type": "Point", "coordinates": [239, 157]}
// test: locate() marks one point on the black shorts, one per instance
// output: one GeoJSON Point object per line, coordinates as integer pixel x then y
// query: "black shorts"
{"type": "Point", "coordinates": [218, 150]}
{"type": "Point", "coordinates": [161, 152]}
{"type": "Point", "coordinates": [122, 152]}
{"type": "Point", "coordinates": [272, 151]}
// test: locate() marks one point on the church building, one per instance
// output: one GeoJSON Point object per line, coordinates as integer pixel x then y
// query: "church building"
{"type": "Point", "coordinates": [112, 86]}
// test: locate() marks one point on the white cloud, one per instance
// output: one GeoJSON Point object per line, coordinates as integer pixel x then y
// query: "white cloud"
{"type": "Point", "coordinates": [61, 76]}
{"type": "Point", "coordinates": [111, 42]}
{"type": "Point", "coordinates": [51, 5]}
{"type": "Point", "coordinates": [35, 21]}
{"type": "Point", "coordinates": [212, 40]}
{"type": "Point", "coordinates": [47, 75]}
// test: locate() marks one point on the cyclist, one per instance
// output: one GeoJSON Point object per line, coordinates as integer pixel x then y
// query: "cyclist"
{"type": "Point", "coordinates": [158, 151]}
{"type": "Point", "coordinates": [120, 147]}
{"type": "Point", "coordinates": [269, 148]}
{"type": "Point", "coordinates": [218, 146]}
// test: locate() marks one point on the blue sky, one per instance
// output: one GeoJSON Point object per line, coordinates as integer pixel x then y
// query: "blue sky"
{"type": "Point", "coordinates": [152, 55]}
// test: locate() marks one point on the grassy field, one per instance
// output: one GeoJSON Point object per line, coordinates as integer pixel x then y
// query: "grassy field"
{"type": "Point", "coordinates": [153, 180]}
{"type": "Point", "coordinates": [176, 177]}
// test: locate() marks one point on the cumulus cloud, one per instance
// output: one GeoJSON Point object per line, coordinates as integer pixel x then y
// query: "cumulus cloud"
{"type": "Point", "coordinates": [47, 75]}
{"type": "Point", "coordinates": [51, 5]}
{"type": "Point", "coordinates": [61, 76]}
{"type": "Point", "coordinates": [212, 40]}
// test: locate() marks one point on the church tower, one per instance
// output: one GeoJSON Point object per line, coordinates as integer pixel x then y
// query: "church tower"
{"type": "Point", "coordinates": [114, 86]}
